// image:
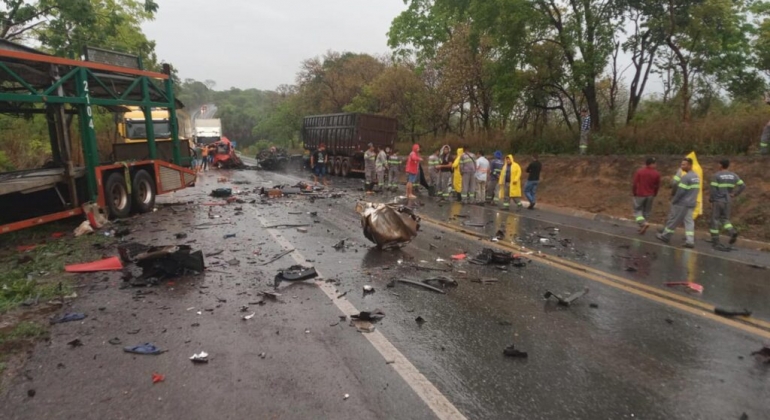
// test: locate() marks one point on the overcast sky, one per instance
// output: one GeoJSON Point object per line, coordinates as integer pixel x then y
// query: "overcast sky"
{"type": "Point", "coordinates": [261, 43]}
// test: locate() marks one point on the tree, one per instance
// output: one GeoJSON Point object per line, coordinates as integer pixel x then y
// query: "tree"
{"type": "Point", "coordinates": [584, 31]}
{"type": "Point", "coordinates": [642, 44]}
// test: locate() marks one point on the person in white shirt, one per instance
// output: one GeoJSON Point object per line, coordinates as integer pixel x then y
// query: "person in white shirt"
{"type": "Point", "coordinates": [482, 171]}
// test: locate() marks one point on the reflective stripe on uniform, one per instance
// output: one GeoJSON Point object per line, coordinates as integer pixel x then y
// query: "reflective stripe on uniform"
{"type": "Point", "coordinates": [728, 226]}
{"type": "Point", "coordinates": [639, 218]}
{"type": "Point", "coordinates": [667, 230]}
{"type": "Point", "coordinates": [714, 231]}
{"type": "Point", "coordinates": [688, 187]}
{"type": "Point", "coordinates": [718, 185]}
{"type": "Point", "coordinates": [689, 233]}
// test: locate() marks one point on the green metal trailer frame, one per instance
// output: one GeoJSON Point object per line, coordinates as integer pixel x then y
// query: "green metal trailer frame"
{"type": "Point", "coordinates": [63, 86]}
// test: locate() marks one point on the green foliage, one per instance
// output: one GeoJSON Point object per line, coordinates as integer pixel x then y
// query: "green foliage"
{"type": "Point", "coordinates": [23, 331]}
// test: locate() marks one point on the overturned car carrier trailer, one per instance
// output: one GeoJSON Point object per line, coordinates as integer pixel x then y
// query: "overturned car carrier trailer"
{"type": "Point", "coordinates": [65, 90]}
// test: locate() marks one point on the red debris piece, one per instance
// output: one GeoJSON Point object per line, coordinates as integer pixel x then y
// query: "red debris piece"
{"type": "Point", "coordinates": [695, 287]}
{"type": "Point", "coordinates": [459, 257]}
{"type": "Point", "coordinates": [157, 377]}
{"type": "Point", "coordinates": [107, 264]}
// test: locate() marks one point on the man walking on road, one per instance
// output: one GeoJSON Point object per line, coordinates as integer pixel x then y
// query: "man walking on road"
{"type": "Point", "coordinates": [482, 172]}
{"type": "Point", "coordinates": [394, 166]}
{"type": "Point", "coordinates": [683, 204]}
{"type": "Point", "coordinates": [433, 173]}
{"type": "Point", "coordinates": [533, 179]}
{"type": "Point", "coordinates": [445, 171]}
{"type": "Point", "coordinates": [495, 169]}
{"type": "Point", "coordinates": [381, 165]}
{"type": "Point", "coordinates": [318, 163]}
{"type": "Point", "coordinates": [468, 171]}
{"type": "Point", "coordinates": [585, 130]}
{"type": "Point", "coordinates": [412, 170]}
{"type": "Point", "coordinates": [644, 190]}
{"type": "Point", "coordinates": [725, 185]}
{"type": "Point", "coordinates": [369, 168]}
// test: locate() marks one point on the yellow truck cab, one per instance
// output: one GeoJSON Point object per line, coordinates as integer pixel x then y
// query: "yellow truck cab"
{"type": "Point", "coordinates": [132, 129]}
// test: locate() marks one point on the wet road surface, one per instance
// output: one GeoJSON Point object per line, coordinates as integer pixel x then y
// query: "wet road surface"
{"type": "Point", "coordinates": [633, 355]}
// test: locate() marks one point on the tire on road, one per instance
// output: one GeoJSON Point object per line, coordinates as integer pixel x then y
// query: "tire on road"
{"type": "Point", "coordinates": [337, 167]}
{"type": "Point", "coordinates": [143, 192]}
{"type": "Point", "coordinates": [116, 195]}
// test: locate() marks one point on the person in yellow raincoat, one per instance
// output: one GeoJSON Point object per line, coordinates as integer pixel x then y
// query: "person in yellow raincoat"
{"type": "Point", "coordinates": [510, 177]}
{"type": "Point", "coordinates": [457, 177]}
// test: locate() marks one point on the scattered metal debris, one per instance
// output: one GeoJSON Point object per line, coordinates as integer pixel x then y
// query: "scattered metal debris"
{"type": "Point", "coordinates": [278, 257]}
{"type": "Point", "coordinates": [569, 299]}
{"type": "Point", "coordinates": [762, 355]}
{"type": "Point", "coordinates": [372, 316]}
{"type": "Point", "coordinates": [423, 285]}
{"type": "Point", "coordinates": [511, 351]}
{"type": "Point", "coordinates": [75, 343]}
{"type": "Point", "coordinates": [368, 289]}
{"type": "Point", "coordinates": [420, 320]}
{"type": "Point", "coordinates": [68, 317]}
{"type": "Point", "coordinates": [732, 312]}
{"type": "Point", "coordinates": [201, 357]}
{"type": "Point", "coordinates": [295, 273]}
{"type": "Point", "coordinates": [442, 280]}
{"type": "Point", "coordinates": [690, 286]}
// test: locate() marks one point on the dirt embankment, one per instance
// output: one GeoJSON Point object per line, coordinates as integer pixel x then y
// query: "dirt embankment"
{"type": "Point", "coordinates": [602, 184]}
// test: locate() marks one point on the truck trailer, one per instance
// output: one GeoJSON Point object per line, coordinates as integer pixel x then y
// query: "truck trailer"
{"type": "Point", "coordinates": [65, 91]}
{"type": "Point", "coordinates": [346, 137]}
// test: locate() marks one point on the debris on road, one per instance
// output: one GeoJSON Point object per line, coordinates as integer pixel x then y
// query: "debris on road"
{"type": "Point", "coordinates": [388, 225]}
{"type": "Point", "coordinates": [442, 280]}
{"type": "Point", "coordinates": [229, 236]}
{"type": "Point", "coordinates": [146, 348]}
{"type": "Point", "coordinates": [368, 289]}
{"type": "Point", "coordinates": [295, 273]}
{"type": "Point", "coordinates": [485, 280]}
{"type": "Point", "coordinates": [180, 235]}
{"type": "Point", "coordinates": [107, 264]}
{"type": "Point", "coordinates": [569, 299]}
{"type": "Point", "coordinates": [690, 286]}
{"type": "Point", "coordinates": [157, 377]}
{"type": "Point", "coordinates": [222, 192]}
{"type": "Point", "coordinates": [115, 341]}
{"type": "Point", "coordinates": [339, 245]}
{"type": "Point", "coordinates": [459, 257]}
{"type": "Point", "coordinates": [346, 396]}
{"type": "Point", "coordinates": [83, 229]}
{"type": "Point", "coordinates": [423, 285]}
{"type": "Point", "coordinates": [68, 317]}
{"type": "Point", "coordinates": [732, 312]}
{"type": "Point", "coordinates": [75, 343]}
{"type": "Point", "coordinates": [372, 316]}
{"type": "Point", "coordinates": [762, 355]}
{"type": "Point", "coordinates": [490, 256]}
{"type": "Point", "coordinates": [362, 326]}
{"type": "Point", "coordinates": [278, 257]}
{"type": "Point", "coordinates": [511, 351]}
{"type": "Point", "coordinates": [302, 229]}
{"type": "Point", "coordinates": [161, 262]}
{"type": "Point", "coordinates": [201, 357]}
{"type": "Point", "coordinates": [270, 295]}
{"type": "Point", "coordinates": [248, 317]}
{"type": "Point", "coordinates": [420, 320]}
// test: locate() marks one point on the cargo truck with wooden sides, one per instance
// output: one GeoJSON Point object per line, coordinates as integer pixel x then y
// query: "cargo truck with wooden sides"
{"type": "Point", "coordinates": [65, 92]}
{"type": "Point", "coordinates": [346, 137]}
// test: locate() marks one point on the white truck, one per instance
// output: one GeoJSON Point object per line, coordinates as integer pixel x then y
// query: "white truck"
{"type": "Point", "coordinates": [208, 131]}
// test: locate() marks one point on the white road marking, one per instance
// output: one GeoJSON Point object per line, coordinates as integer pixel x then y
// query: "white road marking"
{"type": "Point", "coordinates": [437, 402]}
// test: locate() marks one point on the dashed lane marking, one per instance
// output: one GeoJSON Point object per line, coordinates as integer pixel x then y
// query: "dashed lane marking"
{"type": "Point", "coordinates": [435, 400]}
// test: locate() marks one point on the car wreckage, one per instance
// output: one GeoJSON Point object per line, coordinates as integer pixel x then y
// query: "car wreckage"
{"type": "Point", "coordinates": [388, 225]}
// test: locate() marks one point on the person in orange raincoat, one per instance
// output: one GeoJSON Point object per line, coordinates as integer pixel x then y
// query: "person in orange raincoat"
{"type": "Point", "coordinates": [510, 177]}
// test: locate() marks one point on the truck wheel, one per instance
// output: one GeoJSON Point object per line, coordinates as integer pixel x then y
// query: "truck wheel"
{"type": "Point", "coordinates": [116, 195]}
{"type": "Point", "coordinates": [143, 192]}
{"type": "Point", "coordinates": [345, 167]}
{"type": "Point", "coordinates": [337, 167]}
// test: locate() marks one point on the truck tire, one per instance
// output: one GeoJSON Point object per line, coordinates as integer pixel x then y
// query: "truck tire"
{"type": "Point", "coordinates": [116, 196]}
{"type": "Point", "coordinates": [337, 167]}
{"type": "Point", "coordinates": [143, 192]}
{"type": "Point", "coordinates": [345, 167]}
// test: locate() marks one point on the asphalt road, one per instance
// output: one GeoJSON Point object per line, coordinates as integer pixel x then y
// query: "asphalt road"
{"type": "Point", "coordinates": [630, 348]}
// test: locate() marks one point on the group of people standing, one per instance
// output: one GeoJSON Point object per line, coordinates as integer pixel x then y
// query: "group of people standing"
{"type": "Point", "coordinates": [476, 179]}
{"type": "Point", "coordinates": [686, 199]}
